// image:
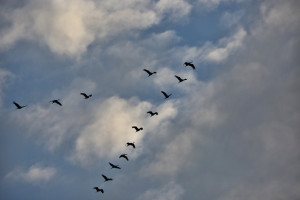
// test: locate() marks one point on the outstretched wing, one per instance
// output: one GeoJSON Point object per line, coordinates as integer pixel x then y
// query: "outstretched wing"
{"type": "Point", "coordinates": [178, 78]}
{"type": "Point", "coordinates": [84, 94]}
{"type": "Point", "coordinates": [148, 72]}
{"type": "Point", "coordinates": [104, 177]}
{"type": "Point", "coordinates": [165, 94]}
{"type": "Point", "coordinates": [16, 104]}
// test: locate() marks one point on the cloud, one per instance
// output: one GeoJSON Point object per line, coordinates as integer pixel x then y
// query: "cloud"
{"type": "Point", "coordinates": [68, 28]}
{"type": "Point", "coordinates": [34, 174]}
{"type": "Point", "coordinates": [170, 191]}
{"type": "Point", "coordinates": [110, 130]}
{"type": "Point", "coordinates": [6, 78]}
{"type": "Point", "coordinates": [51, 124]}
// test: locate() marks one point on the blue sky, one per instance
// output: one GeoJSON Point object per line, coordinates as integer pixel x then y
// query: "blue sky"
{"type": "Point", "coordinates": [231, 131]}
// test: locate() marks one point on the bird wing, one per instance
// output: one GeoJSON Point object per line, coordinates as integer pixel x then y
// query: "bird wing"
{"type": "Point", "coordinates": [58, 102]}
{"type": "Point", "coordinates": [147, 71]}
{"type": "Point", "coordinates": [165, 94]}
{"type": "Point", "coordinates": [178, 77]}
{"type": "Point", "coordinates": [104, 177]}
{"type": "Point", "coordinates": [84, 94]}
{"type": "Point", "coordinates": [16, 104]}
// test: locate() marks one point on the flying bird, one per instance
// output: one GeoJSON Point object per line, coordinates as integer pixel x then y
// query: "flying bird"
{"type": "Point", "coordinates": [180, 79]}
{"type": "Point", "coordinates": [85, 95]}
{"type": "Point", "coordinates": [124, 156]}
{"type": "Point", "coordinates": [56, 101]}
{"type": "Point", "coordinates": [149, 73]}
{"type": "Point", "coordinates": [189, 64]}
{"type": "Point", "coordinates": [166, 95]}
{"type": "Point", "coordinates": [114, 166]}
{"type": "Point", "coordinates": [137, 129]}
{"type": "Point", "coordinates": [98, 189]}
{"type": "Point", "coordinates": [131, 144]}
{"type": "Point", "coordinates": [18, 106]}
{"type": "Point", "coordinates": [152, 113]}
{"type": "Point", "coordinates": [106, 179]}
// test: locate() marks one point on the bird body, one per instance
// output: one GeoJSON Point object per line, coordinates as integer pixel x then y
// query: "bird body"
{"type": "Point", "coordinates": [180, 79]}
{"type": "Point", "coordinates": [137, 129]}
{"type": "Point", "coordinates": [152, 113]}
{"type": "Point", "coordinates": [149, 73]}
{"type": "Point", "coordinates": [106, 179]}
{"type": "Point", "coordinates": [114, 166]}
{"type": "Point", "coordinates": [131, 144]}
{"type": "Point", "coordinates": [86, 96]}
{"type": "Point", "coordinates": [18, 106]}
{"type": "Point", "coordinates": [124, 156]}
{"type": "Point", "coordinates": [56, 101]}
{"type": "Point", "coordinates": [98, 189]}
{"type": "Point", "coordinates": [165, 94]}
{"type": "Point", "coordinates": [189, 64]}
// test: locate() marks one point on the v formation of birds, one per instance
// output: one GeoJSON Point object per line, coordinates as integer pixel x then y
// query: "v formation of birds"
{"type": "Point", "coordinates": [137, 129]}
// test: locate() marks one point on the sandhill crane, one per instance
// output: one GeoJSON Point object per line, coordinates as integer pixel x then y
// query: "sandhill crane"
{"type": "Point", "coordinates": [180, 79]}
{"type": "Point", "coordinates": [114, 166]}
{"type": "Point", "coordinates": [56, 101]}
{"type": "Point", "coordinates": [149, 73]}
{"type": "Point", "coordinates": [152, 113]}
{"type": "Point", "coordinates": [189, 64]}
{"type": "Point", "coordinates": [85, 95]}
{"type": "Point", "coordinates": [18, 106]}
{"type": "Point", "coordinates": [131, 144]}
{"type": "Point", "coordinates": [166, 95]}
{"type": "Point", "coordinates": [137, 129]}
{"type": "Point", "coordinates": [124, 156]}
{"type": "Point", "coordinates": [98, 189]}
{"type": "Point", "coordinates": [106, 179]}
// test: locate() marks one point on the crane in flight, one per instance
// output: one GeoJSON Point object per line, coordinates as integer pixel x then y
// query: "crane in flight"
{"type": "Point", "coordinates": [18, 106]}
{"type": "Point", "coordinates": [98, 189]}
{"type": "Point", "coordinates": [124, 156]}
{"type": "Point", "coordinates": [86, 96]}
{"type": "Point", "coordinates": [165, 94]}
{"type": "Point", "coordinates": [180, 79]}
{"type": "Point", "coordinates": [152, 113]}
{"type": "Point", "coordinates": [56, 101]}
{"type": "Point", "coordinates": [130, 144]}
{"type": "Point", "coordinates": [189, 64]}
{"type": "Point", "coordinates": [106, 179]}
{"type": "Point", "coordinates": [149, 73]}
{"type": "Point", "coordinates": [137, 129]}
{"type": "Point", "coordinates": [114, 166]}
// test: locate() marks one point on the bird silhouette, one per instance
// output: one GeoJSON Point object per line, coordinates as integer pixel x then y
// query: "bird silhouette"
{"type": "Point", "coordinates": [114, 166]}
{"type": "Point", "coordinates": [149, 73]}
{"type": "Point", "coordinates": [137, 129]}
{"type": "Point", "coordinates": [98, 189]}
{"type": "Point", "coordinates": [166, 95]}
{"type": "Point", "coordinates": [152, 113]}
{"type": "Point", "coordinates": [85, 95]}
{"type": "Point", "coordinates": [189, 64]}
{"type": "Point", "coordinates": [180, 79]}
{"type": "Point", "coordinates": [131, 144]}
{"type": "Point", "coordinates": [56, 101]}
{"type": "Point", "coordinates": [106, 179]}
{"type": "Point", "coordinates": [18, 106]}
{"type": "Point", "coordinates": [124, 156]}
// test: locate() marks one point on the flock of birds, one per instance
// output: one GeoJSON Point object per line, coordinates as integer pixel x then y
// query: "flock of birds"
{"type": "Point", "coordinates": [137, 129]}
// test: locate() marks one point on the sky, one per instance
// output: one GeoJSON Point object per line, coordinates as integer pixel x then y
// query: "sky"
{"type": "Point", "coordinates": [229, 132]}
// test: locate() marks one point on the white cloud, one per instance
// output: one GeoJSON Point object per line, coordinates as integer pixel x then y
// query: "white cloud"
{"type": "Point", "coordinates": [170, 191]}
{"type": "Point", "coordinates": [34, 174]}
{"type": "Point", "coordinates": [176, 8]}
{"type": "Point", "coordinates": [68, 27]}
{"type": "Point", "coordinates": [111, 128]}
{"type": "Point", "coordinates": [226, 47]}
{"type": "Point", "coordinates": [51, 124]}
